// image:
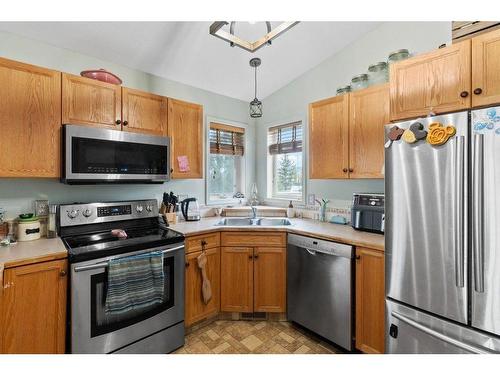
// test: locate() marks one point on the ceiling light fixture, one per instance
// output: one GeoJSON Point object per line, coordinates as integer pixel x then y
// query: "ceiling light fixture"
{"type": "Point", "coordinates": [216, 30]}
{"type": "Point", "coordinates": [255, 104]}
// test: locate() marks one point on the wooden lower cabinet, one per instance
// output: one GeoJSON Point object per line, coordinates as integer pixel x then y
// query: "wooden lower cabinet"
{"type": "Point", "coordinates": [33, 308]}
{"type": "Point", "coordinates": [195, 307]}
{"type": "Point", "coordinates": [253, 279]}
{"type": "Point", "coordinates": [237, 279]}
{"type": "Point", "coordinates": [370, 300]}
{"type": "Point", "coordinates": [269, 279]}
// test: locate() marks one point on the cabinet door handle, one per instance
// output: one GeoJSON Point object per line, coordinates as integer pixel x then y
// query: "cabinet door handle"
{"type": "Point", "coordinates": [62, 273]}
{"type": "Point", "coordinates": [478, 91]}
{"type": "Point", "coordinates": [358, 257]}
{"type": "Point", "coordinates": [464, 94]}
{"type": "Point", "coordinates": [118, 122]}
{"type": "Point", "coordinates": [351, 170]}
{"type": "Point", "coordinates": [187, 264]}
{"type": "Point", "coordinates": [344, 170]}
{"type": "Point", "coordinates": [125, 123]}
{"type": "Point", "coordinates": [250, 257]}
{"type": "Point", "coordinates": [256, 256]}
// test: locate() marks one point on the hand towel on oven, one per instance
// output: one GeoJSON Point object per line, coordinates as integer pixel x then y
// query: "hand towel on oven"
{"type": "Point", "coordinates": [134, 282]}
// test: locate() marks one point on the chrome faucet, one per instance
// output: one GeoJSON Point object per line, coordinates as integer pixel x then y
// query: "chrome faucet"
{"type": "Point", "coordinates": [254, 212]}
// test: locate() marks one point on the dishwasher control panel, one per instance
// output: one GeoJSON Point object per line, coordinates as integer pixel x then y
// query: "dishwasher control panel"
{"type": "Point", "coordinates": [322, 246]}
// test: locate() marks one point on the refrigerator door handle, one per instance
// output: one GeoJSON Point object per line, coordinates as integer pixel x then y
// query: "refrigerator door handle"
{"type": "Point", "coordinates": [440, 336]}
{"type": "Point", "coordinates": [459, 213]}
{"type": "Point", "coordinates": [478, 206]}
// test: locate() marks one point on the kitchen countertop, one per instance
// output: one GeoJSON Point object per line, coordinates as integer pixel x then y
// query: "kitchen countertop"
{"type": "Point", "coordinates": [28, 252]}
{"type": "Point", "coordinates": [327, 231]}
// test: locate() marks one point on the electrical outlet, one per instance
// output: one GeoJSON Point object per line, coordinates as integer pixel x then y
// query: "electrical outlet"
{"type": "Point", "coordinates": [41, 207]}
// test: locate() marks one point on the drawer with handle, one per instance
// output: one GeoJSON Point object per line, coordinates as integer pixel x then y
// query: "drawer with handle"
{"type": "Point", "coordinates": [202, 241]}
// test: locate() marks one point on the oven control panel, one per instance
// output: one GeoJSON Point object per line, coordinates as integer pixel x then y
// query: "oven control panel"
{"type": "Point", "coordinates": [92, 213]}
{"type": "Point", "coordinates": [114, 210]}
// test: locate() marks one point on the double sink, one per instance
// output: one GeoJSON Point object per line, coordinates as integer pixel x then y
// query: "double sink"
{"type": "Point", "coordinates": [247, 221]}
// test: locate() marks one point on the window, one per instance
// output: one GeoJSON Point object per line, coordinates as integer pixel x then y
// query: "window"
{"type": "Point", "coordinates": [285, 170]}
{"type": "Point", "coordinates": [225, 163]}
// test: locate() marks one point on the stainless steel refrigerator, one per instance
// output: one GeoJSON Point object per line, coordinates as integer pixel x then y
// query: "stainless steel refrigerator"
{"type": "Point", "coordinates": [442, 245]}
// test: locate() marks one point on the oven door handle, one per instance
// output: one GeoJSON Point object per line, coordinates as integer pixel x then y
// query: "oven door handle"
{"type": "Point", "coordinates": [105, 264]}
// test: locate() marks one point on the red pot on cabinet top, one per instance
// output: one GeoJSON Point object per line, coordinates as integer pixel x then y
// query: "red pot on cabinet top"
{"type": "Point", "coordinates": [102, 75]}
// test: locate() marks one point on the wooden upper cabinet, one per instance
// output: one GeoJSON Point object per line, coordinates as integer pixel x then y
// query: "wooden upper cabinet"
{"type": "Point", "coordinates": [328, 138]}
{"type": "Point", "coordinates": [237, 279]}
{"type": "Point", "coordinates": [437, 81]}
{"type": "Point", "coordinates": [486, 69]}
{"type": "Point", "coordinates": [185, 129]}
{"type": "Point", "coordinates": [270, 279]}
{"type": "Point", "coordinates": [34, 308]}
{"type": "Point", "coordinates": [87, 101]}
{"type": "Point", "coordinates": [369, 112]}
{"type": "Point", "coordinates": [143, 112]}
{"type": "Point", "coordinates": [30, 120]}
{"type": "Point", "coordinates": [196, 309]}
{"type": "Point", "coordinates": [370, 300]}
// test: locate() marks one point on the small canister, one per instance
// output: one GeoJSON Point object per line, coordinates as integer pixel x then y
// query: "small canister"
{"type": "Point", "coordinates": [344, 89]}
{"type": "Point", "coordinates": [400, 54]}
{"type": "Point", "coordinates": [28, 228]}
{"type": "Point", "coordinates": [359, 82]}
{"type": "Point", "coordinates": [378, 73]}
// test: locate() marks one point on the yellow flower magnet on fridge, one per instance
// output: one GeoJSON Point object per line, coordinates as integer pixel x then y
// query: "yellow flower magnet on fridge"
{"type": "Point", "coordinates": [439, 134]}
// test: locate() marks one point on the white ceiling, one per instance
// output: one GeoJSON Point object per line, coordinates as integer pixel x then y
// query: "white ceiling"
{"type": "Point", "coordinates": [187, 53]}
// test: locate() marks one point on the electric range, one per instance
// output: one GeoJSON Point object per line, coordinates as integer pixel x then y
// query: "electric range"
{"type": "Point", "coordinates": [94, 234]}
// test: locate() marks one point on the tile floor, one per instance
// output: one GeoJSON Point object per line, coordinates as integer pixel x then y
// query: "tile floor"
{"type": "Point", "coordinates": [263, 337]}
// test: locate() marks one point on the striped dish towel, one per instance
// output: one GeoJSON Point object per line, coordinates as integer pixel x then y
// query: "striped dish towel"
{"type": "Point", "coordinates": [134, 282]}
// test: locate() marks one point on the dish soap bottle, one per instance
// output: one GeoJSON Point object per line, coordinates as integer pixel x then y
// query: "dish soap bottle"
{"type": "Point", "coordinates": [290, 212]}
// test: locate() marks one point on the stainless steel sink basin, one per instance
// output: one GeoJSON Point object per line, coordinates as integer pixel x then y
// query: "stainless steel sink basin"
{"type": "Point", "coordinates": [270, 222]}
{"type": "Point", "coordinates": [246, 221]}
{"type": "Point", "coordinates": [235, 221]}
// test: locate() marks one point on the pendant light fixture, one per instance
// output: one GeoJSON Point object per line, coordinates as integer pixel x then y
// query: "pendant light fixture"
{"type": "Point", "coordinates": [255, 104]}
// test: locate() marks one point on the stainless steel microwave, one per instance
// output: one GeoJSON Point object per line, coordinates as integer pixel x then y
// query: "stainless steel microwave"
{"type": "Point", "coordinates": [92, 155]}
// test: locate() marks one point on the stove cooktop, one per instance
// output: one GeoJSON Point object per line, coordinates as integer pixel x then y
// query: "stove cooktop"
{"type": "Point", "coordinates": [102, 243]}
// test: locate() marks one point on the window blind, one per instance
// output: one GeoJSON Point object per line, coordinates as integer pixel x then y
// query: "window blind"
{"type": "Point", "coordinates": [285, 139]}
{"type": "Point", "coordinates": [227, 139]}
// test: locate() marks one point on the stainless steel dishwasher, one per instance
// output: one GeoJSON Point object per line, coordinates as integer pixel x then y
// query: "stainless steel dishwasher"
{"type": "Point", "coordinates": [320, 287]}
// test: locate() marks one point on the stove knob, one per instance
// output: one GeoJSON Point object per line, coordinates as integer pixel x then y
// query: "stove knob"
{"type": "Point", "coordinates": [139, 208]}
{"type": "Point", "coordinates": [72, 214]}
{"type": "Point", "coordinates": [149, 208]}
{"type": "Point", "coordinates": [87, 212]}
